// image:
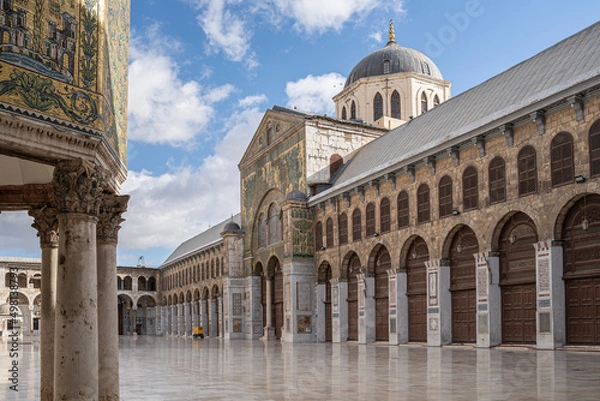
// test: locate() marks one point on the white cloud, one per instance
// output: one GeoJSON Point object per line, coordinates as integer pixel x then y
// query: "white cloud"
{"type": "Point", "coordinates": [226, 30]}
{"type": "Point", "coordinates": [315, 93]}
{"type": "Point", "coordinates": [318, 16]}
{"type": "Point", "coordinates": [166, 210]}
{"type": "Point", "coordinates": [164, 109]}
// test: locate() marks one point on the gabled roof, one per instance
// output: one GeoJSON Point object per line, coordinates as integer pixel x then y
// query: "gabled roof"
{"type": "Point", "coordinates": [201, 241]}
{"type": "Point", "coordinates": [570, 65]}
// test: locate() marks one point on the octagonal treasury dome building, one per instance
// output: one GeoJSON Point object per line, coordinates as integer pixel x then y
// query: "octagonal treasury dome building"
{"type": "Point", "coordinates": [391, 86]}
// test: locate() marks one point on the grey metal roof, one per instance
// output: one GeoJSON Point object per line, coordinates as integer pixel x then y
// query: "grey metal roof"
{"type": "Point", "coordinates": [567, 66]}
{"type": "Point", "coordinates": [402, 59]}
{"type": "Point", "coordinates": [202, 240]}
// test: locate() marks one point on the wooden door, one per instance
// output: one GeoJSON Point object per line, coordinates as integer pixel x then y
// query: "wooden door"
{"type": "Point", "coordinates": [278, 303]}
{"type": "Point", "coordinates": [327, 302]}
{"type": "Point", "coordinates": [418, 254]}
{"type": "Point", "coordinates": [382, 308]}
{"type": "Point", "coordinates": [581, 256]}
{"type": "Point", "coordinates": [518, 280]}
{"type": "Point", "coordinates": [353, 271]}
{"type": "Point", "coordinates": [462, 285]}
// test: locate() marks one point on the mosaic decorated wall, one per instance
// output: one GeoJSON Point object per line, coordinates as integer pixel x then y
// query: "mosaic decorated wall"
{"type": "Point", "coordinates": [281, 167]}
{"type": "Point", "coordinates": [65, 62]}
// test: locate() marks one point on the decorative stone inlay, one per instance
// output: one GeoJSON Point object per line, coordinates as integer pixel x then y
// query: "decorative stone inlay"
{"type": "Point", "coordinates": [46, 223]}
{"type": "Point", "coordinates": [78, 187]}
{"type": "Point", "coordinates": [111, 209]}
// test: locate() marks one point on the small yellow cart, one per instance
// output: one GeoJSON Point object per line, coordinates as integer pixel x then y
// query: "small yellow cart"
{"type": "Point", "coordinates": [198, 331]}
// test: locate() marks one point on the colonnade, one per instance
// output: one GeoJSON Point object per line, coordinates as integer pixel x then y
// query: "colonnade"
{"type": "Point", "coordinates": [78, 238]}
{"type": "Point", "coordinates": [180, 319]}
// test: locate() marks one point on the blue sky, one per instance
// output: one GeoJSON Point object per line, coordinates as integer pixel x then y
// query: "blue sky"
{"type": "Point", "coordinates": [202, 73]}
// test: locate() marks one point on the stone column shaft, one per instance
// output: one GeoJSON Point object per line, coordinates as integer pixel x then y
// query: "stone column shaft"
{"type": "Point", "coordinates": [108, 316]}
{"type": "Point", "coordinates": [76, 331]}
{"type": "Point", "coordinates": [269, 331]}
{"type": "Point", "coordinates": [46, 223]}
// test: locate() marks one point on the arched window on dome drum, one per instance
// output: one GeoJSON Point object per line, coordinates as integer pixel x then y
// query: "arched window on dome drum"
{"type": "Point", "coordinates": [561, 156]}
{"type": "Point", "coordinates": [262, 231]}
{"type": "Point", "coordinates": [497, 173]}
{"type": "Point", "coordinates": [527, 168]}
{"type": "Point", "coordinates": [423, 213]}
{"type": "Point", "coordinates": [402, 206]}
{"type": "Point", "coordinates": [594, 146]}
{"type": "Point", "coordinates": [356, 225]}
{"type": "Point", "coordinates": [377, 107]}
{"type": "Point", "coordinates": [470, 192]}
{"type": "Point", "coordinates": [353, 111]}
{"type": "Point", "coordinates": [344, 113]}
{"type": "Point", "coordinates": [329, 233]}
{"type": "Point", "coordinates": [335, 162]}
{"type": "Point", "coordinates": [445, 196]}
{"type": "Point", "coordinates": [343, 228]}
{"type": "Point", "coordinates": [425, 68]}
{"type": "Point", "coordinates": [423, 103]}
{"type": "Point", "coordinates": [319, 236]}
{"type": "Point", "coordinates": [371, 218]}
{"type": "Point", "coordinates": [384, 215]}
{"type": "Point", "coordinates": [436, 101]}
{"type": "Point", "coordinates": [395, 103]}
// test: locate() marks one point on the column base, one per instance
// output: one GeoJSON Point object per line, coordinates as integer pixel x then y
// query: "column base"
{"type": "Point", "coordinates": [269, 334]}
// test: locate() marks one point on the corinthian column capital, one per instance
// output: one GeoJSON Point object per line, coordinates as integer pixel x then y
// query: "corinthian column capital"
{"type": "Point", "coordinates": [45, 221]}
{"type": "Point", "coordinates": [111, 209]}
{"type": "Point", "coordinates": [78, 187]}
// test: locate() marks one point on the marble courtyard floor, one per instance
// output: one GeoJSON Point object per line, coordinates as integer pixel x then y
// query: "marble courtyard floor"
{"type": "Point", "coordinates": [170, 369]}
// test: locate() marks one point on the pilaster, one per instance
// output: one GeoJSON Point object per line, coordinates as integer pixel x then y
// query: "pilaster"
{"type": "Point", "coordinates": [489, 300]}
{"type": "Point", "coordinates": [253, 316]}
{"type": "Point", "coordinates": [551, 330]}
{"type": "Point", "coordinates": [339, 310]}
{"type": "Point", "coordinates": [366, 309]}
{"type": "Point", "coordinates": [439, 303]}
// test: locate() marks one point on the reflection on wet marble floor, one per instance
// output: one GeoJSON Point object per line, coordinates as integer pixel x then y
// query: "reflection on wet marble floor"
{"type": "Point", "coordinates": [164, 368]}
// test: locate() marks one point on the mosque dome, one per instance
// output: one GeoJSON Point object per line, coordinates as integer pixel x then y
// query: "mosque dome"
{"type": "Point", "coordinates": [232, 226]}
{"type": "Point", "coordinates": [393, 59]}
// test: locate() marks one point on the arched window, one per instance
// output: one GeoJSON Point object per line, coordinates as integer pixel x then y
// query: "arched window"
{"type": "Point", "coordinates": [329, 233]}
{"type": "Point", "coordinates": [470, 192]}
{"type": "Point", "coordinates": [436, 101]}
{"type": "Point", "coordinates": [561, 159]}
{"type": "Point", "coordinates": [203, 273]}
{"type": "Point", "coordinates": [128, 283]}
{"type": "Point", "coordinates": [370, 218]}
{"type": "Point", "coordinates": [119, 282]}
{"type": "Point", "coordinates": [218, 267]}
{"type": "Point", "coordinates": [335, 162]}
{"type": "Point", "coordinates": [527, 171]}
{"type": "Point", "coordinates": [344, 113]}
{"type": "Point", "coordinates": [497, 173]}
{"type": "Point", "coordinates": [377, 107]}
{"type": "Point", "coordinates": [595, 149]}
{"type": "Point", "coordinates": [356, 225]}
{"type": "Point", "coordinates": [423, 102]}
{"type": "Point", "coordinates": [353, 111]}
{"type": "Point", "coordinates": [445, 196]}
{"type": "Point", "coordinates": [141, 283]}
{"type": "Point", "coordinates": [402, 206]}
{"type": "Point", "coordinates": [395, 103]}
{"type": "Point", "coordinates": [274, 226]}
{"type": "Point", "coordinates": [343, 228]}
{"type": "Point", "coordinates": [262, 231]}
{"type": "Point", "coordinates": [425, 68]}
{"type": "Point", "coordinates": [384, 215]}
{"type": "Point", "coordinates": [152, 284]}
{"type": "Point", "coordinates": [319, 236]}
{"type": "Point", "coordinates": [212, 268]}
{"type": "Point", "coordinates": [22, 280]}
{"type": "Point", "coordinates": [423, 214]}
